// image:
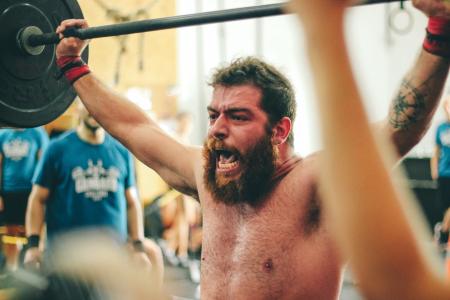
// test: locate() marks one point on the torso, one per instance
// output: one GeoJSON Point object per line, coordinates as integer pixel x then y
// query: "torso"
{"type": "Point", "coordinates": [88, 184]}
{"type": "Point", "coordinates": [19, 150]}
{"type": "Point", "coordinates": [282, 250]}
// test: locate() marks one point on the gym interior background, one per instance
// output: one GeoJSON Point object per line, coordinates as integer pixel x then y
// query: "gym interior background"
{"type": "Point", "coordinates": [165, 72]}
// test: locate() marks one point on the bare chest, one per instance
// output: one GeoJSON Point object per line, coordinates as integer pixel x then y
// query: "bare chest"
{"type": "Point", "coordinates": [267, 253]}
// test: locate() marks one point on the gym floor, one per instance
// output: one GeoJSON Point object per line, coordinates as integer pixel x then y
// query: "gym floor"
{"type": "Point", "coordinates": [182, 288]}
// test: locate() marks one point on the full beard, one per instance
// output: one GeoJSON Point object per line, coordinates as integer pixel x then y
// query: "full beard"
{"type": "Point", "coordinates": [257, 167]}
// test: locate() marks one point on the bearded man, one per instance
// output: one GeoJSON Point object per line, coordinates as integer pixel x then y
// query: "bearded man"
{"type": "Point", "coordinates": [264, 233]}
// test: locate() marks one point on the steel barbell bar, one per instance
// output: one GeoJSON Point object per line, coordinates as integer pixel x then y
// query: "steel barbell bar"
{"type": "Point", "coordinates": [36, 40]}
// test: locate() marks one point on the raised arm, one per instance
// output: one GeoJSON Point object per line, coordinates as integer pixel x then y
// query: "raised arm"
{"type": "Point", "coordinates": [413, 107]}
{"type": "Point", "coordinates": [365, 208]}
{"type": "Point", "coordinates": [175, 162]}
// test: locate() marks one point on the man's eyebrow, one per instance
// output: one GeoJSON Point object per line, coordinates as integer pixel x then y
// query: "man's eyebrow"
{"type": "Point", "coordinates": [230, 110]}
{"type": "Point", "coordinates": [210, 109]}
{"type": "Point", "coordinates": [238, 110]}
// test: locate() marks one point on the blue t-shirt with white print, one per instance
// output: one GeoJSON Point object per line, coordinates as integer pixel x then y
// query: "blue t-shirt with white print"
{"type": "Point", "coordinates": [19, 150]}
{"type": "Point", "coordinates": [87, 184]}
{"type": "Point", "coordinates": [443, 142]}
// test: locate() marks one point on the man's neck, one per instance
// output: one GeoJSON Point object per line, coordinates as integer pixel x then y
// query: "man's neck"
{"type": "Point", "coordinates": [94, 137]}
{"type": "Point", "coordinates": [285, 152]}
{"type": "Point", "coordinates": [286, 162]}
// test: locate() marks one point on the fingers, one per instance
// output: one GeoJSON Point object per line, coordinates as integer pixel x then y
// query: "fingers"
{"type": "Point", "coordinates": [69, 23]}
{"type": "Point", "coordinates": [70, 46]}
{"type": "Point", "coordinates": [433, 8]}
{"type": "Point", "coordinates": [32, 261]}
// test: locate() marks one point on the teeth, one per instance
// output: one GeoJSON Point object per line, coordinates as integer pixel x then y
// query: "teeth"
{"type": "Point", "coordinates": [227, 158]}
{"type": "Point", "coordinates": [227, 166]}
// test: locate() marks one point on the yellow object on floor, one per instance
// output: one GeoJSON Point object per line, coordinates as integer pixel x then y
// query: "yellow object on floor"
{"type": "Point", "coordinates": [14, 240]}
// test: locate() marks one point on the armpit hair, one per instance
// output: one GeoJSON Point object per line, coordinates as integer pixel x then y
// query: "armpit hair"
{"type": "Point", "coordinates": [313, 214]}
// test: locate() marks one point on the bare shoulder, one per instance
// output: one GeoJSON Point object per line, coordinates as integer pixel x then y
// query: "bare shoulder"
{"type": "Point", "coordinates": [303, 177]}
{"type": "Point", "coordinates": [308, 166]}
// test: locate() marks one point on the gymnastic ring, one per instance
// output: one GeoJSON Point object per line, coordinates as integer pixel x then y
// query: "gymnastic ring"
{"type": "Point", "coordinates": [395, 14]}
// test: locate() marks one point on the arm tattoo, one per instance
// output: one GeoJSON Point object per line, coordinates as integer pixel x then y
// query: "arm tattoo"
{"type": "Point", "coordinates": [415, 101]}
{"type": "Point", "coordinates": [408, 107]}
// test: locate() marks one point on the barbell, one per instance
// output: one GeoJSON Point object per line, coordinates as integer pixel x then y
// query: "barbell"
{"type": "Point", "coordinates": [32, 90]}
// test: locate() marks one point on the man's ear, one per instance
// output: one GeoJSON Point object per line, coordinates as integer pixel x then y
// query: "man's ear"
{"type": "Point", "coordinates": [281, 131]}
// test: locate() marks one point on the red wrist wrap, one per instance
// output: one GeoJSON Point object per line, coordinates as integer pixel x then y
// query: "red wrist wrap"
{"type": "Point", "coordinates": [73, 67]}
{"type": "Point", "coordinates": [437, 41]}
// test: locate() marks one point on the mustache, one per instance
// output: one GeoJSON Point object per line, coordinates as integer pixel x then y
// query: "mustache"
{"type": "Point", "coordinates": [255, 180]}
{"type": "Point", "coordinates": [213, 145]}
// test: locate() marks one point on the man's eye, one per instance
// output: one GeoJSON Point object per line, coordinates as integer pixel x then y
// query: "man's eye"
{"type": "Point", "coordinates": [239, 118]}
{"type": "Point", "coordinates": [212, 117]}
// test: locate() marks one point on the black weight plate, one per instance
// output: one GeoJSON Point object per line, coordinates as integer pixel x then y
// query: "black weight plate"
{"type": "Point", "coordinates": [31, 91]}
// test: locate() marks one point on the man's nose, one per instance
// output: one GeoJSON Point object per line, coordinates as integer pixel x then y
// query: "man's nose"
{"type": "Point", "coordinates": [219, 129]}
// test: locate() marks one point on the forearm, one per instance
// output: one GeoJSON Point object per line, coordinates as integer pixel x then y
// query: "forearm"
{"type": "Point", "coordinates": [35, 215]}
{"type": "Point", "coordinates": [354, 201]}
{"type": "Point", "coordinates": [135, 221]}
{"type": "Point", "coordinates": [413, 107]}
{"type": "Point", "coordinates": [434, 167]}
{"type": "Point", "coordinates": [115, 113]}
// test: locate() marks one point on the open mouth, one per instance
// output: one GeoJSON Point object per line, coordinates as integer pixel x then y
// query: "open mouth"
{"type": "Point", "coordinates": [226, 161]}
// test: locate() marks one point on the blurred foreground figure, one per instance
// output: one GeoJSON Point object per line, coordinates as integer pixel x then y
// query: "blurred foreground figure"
{"type": "Point", "coordinates": [86, 265]}
{"type": "Point", "coordinates": [371, 216]}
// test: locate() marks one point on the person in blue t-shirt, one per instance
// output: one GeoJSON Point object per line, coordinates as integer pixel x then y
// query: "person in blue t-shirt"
{"type": "Point", "coordinates": [86, 180]}
{"type": "Point", "coordinates": [440, 164]}
{"type": "Point", "coordinates": [20, 150]}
